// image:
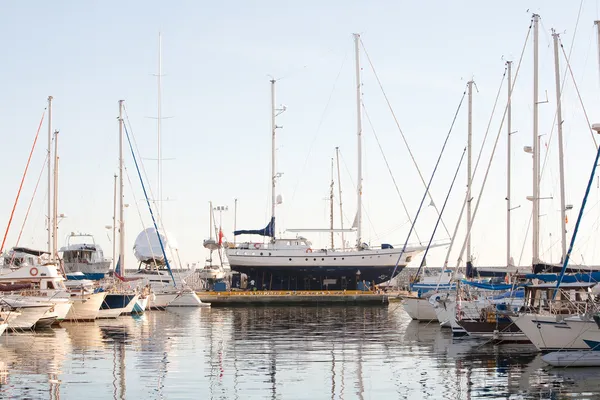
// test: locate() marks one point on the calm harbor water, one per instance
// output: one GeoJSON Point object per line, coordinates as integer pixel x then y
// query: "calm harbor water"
{"type": "Point", "coordinates": [275, 353]}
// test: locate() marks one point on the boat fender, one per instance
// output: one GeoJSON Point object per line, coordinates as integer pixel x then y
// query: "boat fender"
{"type": "Point", "coordinates": [309, 250]}
{"type": "Point", "coordinates": [33, 271]}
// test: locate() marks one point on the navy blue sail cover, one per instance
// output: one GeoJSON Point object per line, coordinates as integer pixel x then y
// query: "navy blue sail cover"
{"type": "Point", "coordinates": [269, 230]}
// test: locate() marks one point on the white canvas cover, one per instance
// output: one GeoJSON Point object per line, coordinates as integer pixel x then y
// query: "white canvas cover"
{"type": "Point", "coordinates": [147, 246]}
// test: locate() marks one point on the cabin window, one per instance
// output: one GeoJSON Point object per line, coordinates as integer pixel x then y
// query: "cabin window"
{"type": "Point", "coordinates": [50, 285]}
{"type": "Point", "coordinates": [408, 259]}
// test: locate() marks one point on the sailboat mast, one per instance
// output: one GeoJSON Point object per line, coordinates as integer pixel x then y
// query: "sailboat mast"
{"type": "Point", "coordinates": [210, 213]}
{"type": "Point", "coordinates": [55, 201]}
{"type": "Point", "coordinates": [536, 150]}
{"type": "Point", "coordinates": [234, 218]}
{"type": "Point", "coordinates": [359, 140]}
{"type": "Point", "coordinates": [561, 165]}
{"type": "Point", "coordinates": [469, 170]}
{"type": "Point", "coordinates": [114, 230]}
{"type": "Point", "coordinates": [273, 173]}
{"type": "Point", "coordinates": [337, 158]}
{"type": "Point", "coordinates": [121, 205]}
{"type": "Point", "coordinates": [331, 205]}
{"type": "Point", "coordinates": [159, 124]}
{"type": "Point", "coordinates": [49, 216]}
{"type": "Point", "coordinates": [508, 161]}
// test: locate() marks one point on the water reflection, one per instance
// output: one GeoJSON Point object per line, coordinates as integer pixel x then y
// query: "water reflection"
{"type": "Point", "coordinates": [274, 353]}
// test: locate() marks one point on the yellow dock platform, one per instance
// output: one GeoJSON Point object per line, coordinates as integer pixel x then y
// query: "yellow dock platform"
{"type": "Point", "coordinates": [298, 297]}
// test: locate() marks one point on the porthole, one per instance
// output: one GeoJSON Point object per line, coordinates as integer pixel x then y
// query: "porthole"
{"type": "Point", "coordinates": [261, 254]}
{"type": "Point", "coordinates": [290, 259]}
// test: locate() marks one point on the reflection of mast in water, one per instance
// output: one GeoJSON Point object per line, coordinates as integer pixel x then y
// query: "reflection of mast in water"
{"type": "Point", "coordinates": [333, 372]}
{"type": "Point", "coordinates": [273, 369]}
{"type": "Point", "coordinates": [360, 383]}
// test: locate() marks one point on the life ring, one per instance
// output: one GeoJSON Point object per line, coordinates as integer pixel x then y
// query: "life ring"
{"type": "Point", "coordinates": [309, 250]}
{"type": "Point", "coordinates": [257, 246]}
{"type": "Point", "coordinates": [33, 271]}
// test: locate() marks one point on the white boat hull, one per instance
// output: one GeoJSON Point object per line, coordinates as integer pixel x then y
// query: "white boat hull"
{"type": "Point", "coordinates": [419, 309]}
{"type": "Point", "coordinates": [86, 307]}
{"type": "Point", "coordinates": [141, 305]}
{"type": "Point", "coordinates": [129, 307]}
{"type": "Point", "coordinates": [28, 317]}
{"type": "Point", "coordinates": [580, 358]}
{"type": "Point", "coordinates": [109, 313]}
{"type": "Point", "coordinates": [159, 301]}
{"type": "Point", "coordinates": [188, 299]}
{"type": "Point", "coordinates": [547, 333]}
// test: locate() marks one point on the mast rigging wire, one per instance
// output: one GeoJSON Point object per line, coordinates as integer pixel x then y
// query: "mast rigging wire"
{"type": "Point", "coordinates": [12, 213]}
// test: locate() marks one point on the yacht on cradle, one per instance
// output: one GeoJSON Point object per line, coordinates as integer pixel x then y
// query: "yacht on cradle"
{"type": "Point", "coordinates": [83, 254]}
{"type": "Point", "coordinates": [293, 263]}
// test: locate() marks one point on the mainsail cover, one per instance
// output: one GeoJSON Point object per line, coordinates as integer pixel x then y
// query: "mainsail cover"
{"type": "Point", "coordinates": [269, 230]}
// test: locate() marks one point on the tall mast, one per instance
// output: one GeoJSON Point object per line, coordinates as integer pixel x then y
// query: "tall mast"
{"type": "Point", "coordinates": [114, 231]}
{"type": "Point", "coordinates": [121, 204]}
{"type": "Point", "coordinates": [508, 161]}
{"type": "Point", "coordinates": [234, 218]}
{"type": "Point", "coordinates": [337, 158]}
{"type": "Point", "coordinates": [158, 124]}
{"type": "Point", "coordinates": [359, 140]}
{"type": "Point", "coordinates": [469, 171]}
{"type": "Point", "coordinates": [331, 205]}
{"type": "Point", "coordinates": [210, 220]}
{"type": "Point", "coordinates": [273, 173]}
{"type": "Point", "coordinates": [536, 196]}
{"type": "Point", "coordinates": [49, 216]}
{"type": "Point", "coordinates": [55, 201]}
{"type": "Point", "coordinates": [563, 209]}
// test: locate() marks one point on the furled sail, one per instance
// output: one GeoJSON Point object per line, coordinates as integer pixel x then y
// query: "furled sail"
{"type": "Point", "coordinates": [269, 230]}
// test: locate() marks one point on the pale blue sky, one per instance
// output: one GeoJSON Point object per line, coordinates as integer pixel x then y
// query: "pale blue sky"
{"type": "Point", "coordinates": [217, 57]}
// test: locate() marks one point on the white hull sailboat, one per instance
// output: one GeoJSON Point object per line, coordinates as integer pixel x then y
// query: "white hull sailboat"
{"type": "Point", "coordinates": [419, 309]}
{"type": "Point", "coordinates": [293, 264]}
{"type": "Point", "coordinates": [86, 306]}
{"type": "Point", "coordinates": [187, 298]}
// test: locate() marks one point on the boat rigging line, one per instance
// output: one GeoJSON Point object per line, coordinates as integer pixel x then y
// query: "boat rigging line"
{"type": "Point", "coordinates": [389, 169]}
{"type": "Point", "coordinates": [31, 201]}
{"type": "Point", "coordinates": [495, 145]}
{"type": "Point", "coordinates": [578, 93]}
{"type": "Point", "coordinates": [402, 133]}
{"type": "Point", "coordinates": [423, 260]}
{"type": "Point", "coordinates": [12, 213]}
{"type": "Point", "coordinates": [567, 58]}
{"type": "Point", "coordinates": [148, 203]}
{"type": "Point", "coordinates": [437, 163]}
